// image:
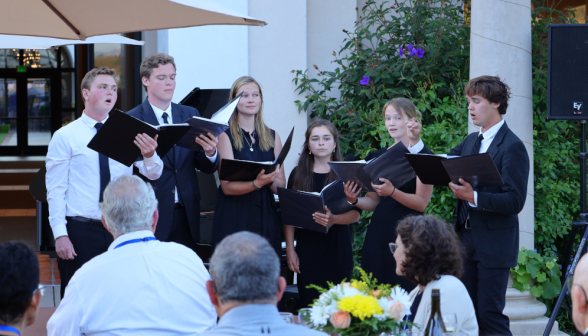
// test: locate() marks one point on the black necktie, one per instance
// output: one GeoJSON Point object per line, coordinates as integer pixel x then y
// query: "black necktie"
{"type": "Point", "coordinates": [104, 168]}
{"type": "Point", "coordinates": [165, 116]}
{"type": "Point", "coordinates": [464, 207]}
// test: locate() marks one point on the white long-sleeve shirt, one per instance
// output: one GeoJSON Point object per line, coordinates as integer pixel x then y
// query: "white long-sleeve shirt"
{"type": "Point", "coordinates": [143, 288]}
{"type": "Point", "coordinates": [159, 115]}
{"type": "Point", "coordinates": [73, 173]}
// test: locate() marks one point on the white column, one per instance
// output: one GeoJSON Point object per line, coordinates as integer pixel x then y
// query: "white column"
{"type": "Point", "coordinates": [501, 46]}
{"type": "Point", "coordinates": [274, 51]}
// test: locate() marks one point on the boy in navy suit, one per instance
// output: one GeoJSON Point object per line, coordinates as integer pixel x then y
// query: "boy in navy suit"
{"type": "Point", "coordinates": [177, 189]}
{"type": "Point", "coordinates": [487, 219]}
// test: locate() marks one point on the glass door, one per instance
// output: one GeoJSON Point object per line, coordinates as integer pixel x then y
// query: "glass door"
{"type": "Point", "coordinates": [8, 130]}
{"type": "Point", "coordinates": [38, 111]}
{"type": "Point", "coordinates": [29, 112]}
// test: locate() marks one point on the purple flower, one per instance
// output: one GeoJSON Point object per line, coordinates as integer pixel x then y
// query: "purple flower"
{"type": "Point", "coordinates": [400, 51]}
{"type": "Point", "coordinates": [409, 47]}
{"type": "Point", "coordinates": [420, 52]}
{"type": "Point", "coordinates": [413, 52]}
{"type": "Point", "coordinates": [364, 80]}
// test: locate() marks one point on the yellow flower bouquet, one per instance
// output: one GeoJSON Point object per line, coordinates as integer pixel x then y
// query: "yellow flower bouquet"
{"type": "Point", "coordinates": [360, 307]}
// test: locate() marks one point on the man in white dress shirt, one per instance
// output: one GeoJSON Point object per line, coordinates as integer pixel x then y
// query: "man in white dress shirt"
{"type": "Point", "coordinates": [77, 176]}
{"type": "Point", "coordinates": [245, 288]}
{"type": "Point", "coordinates": [140, 286]}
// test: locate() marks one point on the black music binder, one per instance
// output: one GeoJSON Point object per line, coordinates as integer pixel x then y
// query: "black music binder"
{"type": "Point", "coordinates": [116, 137]}
{"type": "Point", "coordinates": [479, 170]}
{"type": "Point", "coordinates": [216, 125]}
{"type": "Point", "coordinates": [391, 165]}
{"type": "Point", "coordinates": [242, 170]}
{"type": "Point", "coordinates": [298, 206]}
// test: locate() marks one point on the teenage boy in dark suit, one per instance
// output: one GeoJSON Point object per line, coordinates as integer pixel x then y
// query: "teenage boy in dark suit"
{"type": "Point", "coordinates": [177, 189]}
{"type": "Point", "coordinates": [487, 219]}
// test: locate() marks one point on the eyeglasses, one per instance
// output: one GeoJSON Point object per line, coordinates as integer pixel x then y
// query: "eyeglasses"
{"type": "Point", "coordinates": [571, 284]}
{"type": "Point", "coordinates": [41, 288]}
{"type": "Point", "coordinates": [393, 247]}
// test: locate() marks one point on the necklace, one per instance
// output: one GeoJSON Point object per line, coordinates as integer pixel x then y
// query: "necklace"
{"type": "Point", "coordinates": [248, 143]}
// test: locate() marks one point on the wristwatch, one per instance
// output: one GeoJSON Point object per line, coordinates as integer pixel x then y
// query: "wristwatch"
{"type": "Point", "coordinates": [354, 203]}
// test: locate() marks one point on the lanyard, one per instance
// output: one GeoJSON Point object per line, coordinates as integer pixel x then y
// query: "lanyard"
{"type": "Point", "coordinates": [132, 241]}
{"type": "Point", "coordinates": [9, 329]}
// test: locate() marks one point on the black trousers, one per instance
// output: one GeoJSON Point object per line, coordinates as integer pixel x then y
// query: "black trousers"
{"type": "Point", "coordinates": [487, 289]}
{"type": "Point", "coordinates": [89, 239]}
{"type": "Point", "coordinates": [180, 231]}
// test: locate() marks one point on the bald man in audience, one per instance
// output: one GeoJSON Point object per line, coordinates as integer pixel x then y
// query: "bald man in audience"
{"type": "Point", "coordinates": [579, 284]}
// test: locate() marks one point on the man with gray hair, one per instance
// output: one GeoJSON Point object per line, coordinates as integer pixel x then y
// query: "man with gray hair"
{"type": "Point", "coordinates": [245, 288]}
{"type": "Point", "coordinates": [140, 285]}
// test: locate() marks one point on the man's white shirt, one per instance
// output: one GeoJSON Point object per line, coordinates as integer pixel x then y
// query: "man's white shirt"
{"type": "Point", "coordinates": [159, 115]}
{"type": "Point", "coordinates": [73, 173]}
{"type": "Point", "coordinates": [143, 288]}
{"type": "Point", "coordinates": [489, 135]}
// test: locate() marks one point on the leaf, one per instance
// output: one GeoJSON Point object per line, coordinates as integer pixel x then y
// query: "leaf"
{"type": "Point", "coordinates": [541, 277]}
{"type": "Point", "coordinates": [537, 291]}
{"type": "Point", "coordinates": [518, 285]}
{"type": "Point", "coordinates": [524, 279]}
{"type": "Point", "coordinates": [533, 267]}
{"type": "Point", "coordinates": [551, 288]}
{"type": "Point", "coordinates": [522, 258]}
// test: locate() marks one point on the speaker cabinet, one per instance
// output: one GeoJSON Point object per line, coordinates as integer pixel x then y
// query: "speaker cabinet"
{"type": "Point", "coordinates": [567, 85]}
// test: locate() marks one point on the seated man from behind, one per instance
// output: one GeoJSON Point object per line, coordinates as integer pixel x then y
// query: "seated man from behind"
{"type": "Point", "coordinates": [140, 285]}
{"type": "Point", "coordinates": [245, 288]}
{"type": "Point", "coordinates": [19, 281]}
{"type": "Point", "coordinates": [577, 286]}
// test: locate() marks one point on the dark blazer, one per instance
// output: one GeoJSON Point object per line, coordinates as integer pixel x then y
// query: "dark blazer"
{"type": "Point", "coordinates": [179, 169]}
{"type": "Point", "coordinates": [495, 221]}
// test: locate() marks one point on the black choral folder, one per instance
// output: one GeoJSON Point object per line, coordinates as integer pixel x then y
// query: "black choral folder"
{"type": "Point", "coordinates": [391, 165]}
{"type": "Point", "coordinates": [298, 206]}
{"type": "Point", "coordinates": [116, 137]}
{"type": "Point", "coordinates": [478, 170]}
{"type": "Point", "coordinates": [242, 170]}
{"type": "Point", "coordinates": [216, 125]}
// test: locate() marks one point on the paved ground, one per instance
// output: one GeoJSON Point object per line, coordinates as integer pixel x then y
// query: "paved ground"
{"type": "Point", "coordinates": [39, 328]}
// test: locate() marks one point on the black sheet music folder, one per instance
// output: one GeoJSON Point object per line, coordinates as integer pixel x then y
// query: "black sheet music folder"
{"type": "Point", "coordinates": [479, 170]}
{"type": "Point", "coordinates": [116, 137]}
{"type": "Point", "coordinates": [391, 165]}
{"type": "Point", "coordinates": [298, 206]}
{"type": "Point", "coordinates": [241, 170]}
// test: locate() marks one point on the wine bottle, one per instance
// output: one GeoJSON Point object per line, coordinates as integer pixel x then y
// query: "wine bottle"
{"type": "Point", "coordinates": [435, 325]}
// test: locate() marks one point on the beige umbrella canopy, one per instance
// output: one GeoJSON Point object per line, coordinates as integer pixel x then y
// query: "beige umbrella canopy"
{"type": "Point", "coordinates": [79, 19]}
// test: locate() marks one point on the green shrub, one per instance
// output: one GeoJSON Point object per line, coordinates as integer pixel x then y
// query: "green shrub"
{"type": "Point", "coordinates": [5, 128]}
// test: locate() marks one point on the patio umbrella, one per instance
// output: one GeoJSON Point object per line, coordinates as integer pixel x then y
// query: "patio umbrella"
{"type": "Point", "coordinates": [80, 19]}
{"type": "Point", "coordinates": [35, 42]}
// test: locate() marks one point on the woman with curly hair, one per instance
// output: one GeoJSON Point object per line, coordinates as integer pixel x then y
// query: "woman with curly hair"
{"type": "Point", "coordinates": [428, 253]}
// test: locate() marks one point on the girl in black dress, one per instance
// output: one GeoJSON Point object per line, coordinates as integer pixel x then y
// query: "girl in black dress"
{"type": "Point", "coordinates": [249, 206]}
{"type": "Point", "coordinates": [389, 203]}
{"type": "Point", "coordinates": [319, 257]}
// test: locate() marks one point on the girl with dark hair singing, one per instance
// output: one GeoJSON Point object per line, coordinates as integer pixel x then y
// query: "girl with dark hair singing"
{"type": "Point", "coordinates": [319, 257]}
{"type": "Point", "coordinates": [391, 203]}
{"type": "Point", "coordinates": [249, 206]}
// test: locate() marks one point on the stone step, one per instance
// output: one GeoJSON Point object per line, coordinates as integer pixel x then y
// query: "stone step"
{"type": "Point", "coordinates": [22, 176]}
{"type": "Point", "coordinates": [21, 162]}
{"type": "Point", "coordinates": [17, 199]}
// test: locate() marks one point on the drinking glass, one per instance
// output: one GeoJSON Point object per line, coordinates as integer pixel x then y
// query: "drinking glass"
{"type": "Point", "coordinates": [450, 321]}
{"type": "Point", "coordinates": [288, 317]}
{"type": "Point", "coordinates": [304, 317]}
